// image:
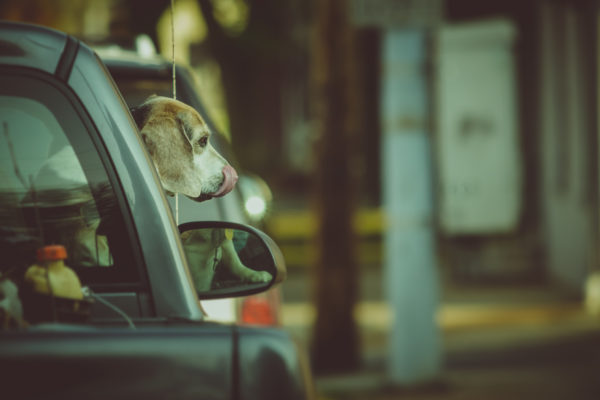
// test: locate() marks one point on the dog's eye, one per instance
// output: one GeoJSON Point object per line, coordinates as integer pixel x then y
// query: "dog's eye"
{"type": "Point", "coordinates": [203, 141]}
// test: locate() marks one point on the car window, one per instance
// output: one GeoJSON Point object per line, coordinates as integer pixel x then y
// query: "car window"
{"type": "Point", "coordinates": [54, 188]}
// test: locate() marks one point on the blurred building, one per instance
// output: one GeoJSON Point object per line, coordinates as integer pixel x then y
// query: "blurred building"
{"type": "Point", "coordinates": [517, 88]}
{"type": "Point", "coordinates": [512, 119]}
{"type": "Point", "coordinates": [513, 127]}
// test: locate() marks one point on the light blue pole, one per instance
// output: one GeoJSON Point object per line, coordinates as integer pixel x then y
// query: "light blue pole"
{"type": "Point", "coordinates": [410, 268]}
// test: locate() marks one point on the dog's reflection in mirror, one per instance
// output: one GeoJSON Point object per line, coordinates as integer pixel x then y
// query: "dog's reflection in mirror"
{"type": "Point", "coordinates": [214, 260]}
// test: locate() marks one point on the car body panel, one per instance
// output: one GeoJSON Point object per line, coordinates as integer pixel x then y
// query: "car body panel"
{"type": "Point", "coordinates": [149, 363]}
{"type": "Point", "coordinates": [31, 46]}
{"type": "Point", "coordinates": [181, 362]}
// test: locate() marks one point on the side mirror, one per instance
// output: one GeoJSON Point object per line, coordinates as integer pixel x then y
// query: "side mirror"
{"type": "Point", "coordinates": [226, 259]}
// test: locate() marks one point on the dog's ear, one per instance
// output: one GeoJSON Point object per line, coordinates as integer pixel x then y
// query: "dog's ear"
{"type": "Point", "coordinates": [149, 144]}
{"type": "Point", "coordinates": [189, 120]}
{"type": "Point", "coordinates": [140, 114]}
{"type": "Point", "coordinates": [186, 131]}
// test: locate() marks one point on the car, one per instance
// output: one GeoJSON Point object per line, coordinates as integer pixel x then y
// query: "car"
{"type": "Point", "coordinates": [120, 316]}
{"type": "Point", "coordinates": [139, 76]}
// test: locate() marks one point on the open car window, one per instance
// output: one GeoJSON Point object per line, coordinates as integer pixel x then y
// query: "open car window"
{"type": "Point", "coordinates": [54, 188]}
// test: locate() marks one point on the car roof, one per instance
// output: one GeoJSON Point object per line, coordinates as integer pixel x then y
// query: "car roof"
{"type": "Point", "coordinates": [31, 46]}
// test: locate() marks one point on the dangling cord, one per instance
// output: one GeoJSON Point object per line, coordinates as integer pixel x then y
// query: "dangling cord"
{"type": "Point", "coordinates": [173, 47]}
{"type": "Point", "coordinates": [174, 90]}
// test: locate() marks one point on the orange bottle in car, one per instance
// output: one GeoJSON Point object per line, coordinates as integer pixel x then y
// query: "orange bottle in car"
{"type": "Point", "coordinates": [53, 277]}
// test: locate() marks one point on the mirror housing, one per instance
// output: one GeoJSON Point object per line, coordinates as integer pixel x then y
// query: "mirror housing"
{"type": "Point", "coordinates": [227, 259]}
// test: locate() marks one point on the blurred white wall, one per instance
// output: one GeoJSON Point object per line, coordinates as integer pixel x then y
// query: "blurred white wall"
{"type": "Point", "coordinates": [479, 159]}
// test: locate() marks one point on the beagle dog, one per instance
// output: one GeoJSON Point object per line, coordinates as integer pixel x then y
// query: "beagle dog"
{"type": "Point", "coordinates": [177, 139]}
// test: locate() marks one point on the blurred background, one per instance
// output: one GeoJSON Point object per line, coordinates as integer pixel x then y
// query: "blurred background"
{"type": "Point", "coordinates": [433, 170]}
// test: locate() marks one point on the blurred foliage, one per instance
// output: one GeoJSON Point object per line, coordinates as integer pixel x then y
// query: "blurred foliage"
{"type": "Point", "coordinates": [232, 15]}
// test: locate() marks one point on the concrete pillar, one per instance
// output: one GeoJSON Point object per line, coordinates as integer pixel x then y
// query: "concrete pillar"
{"type": "Point", "coordinates": [410, 268]}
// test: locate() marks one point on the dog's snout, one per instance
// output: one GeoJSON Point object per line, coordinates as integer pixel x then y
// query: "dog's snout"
{"type": "Point", "coordinates": [229, 170]}
{"type": "Point", "coordinates": [230, 177]}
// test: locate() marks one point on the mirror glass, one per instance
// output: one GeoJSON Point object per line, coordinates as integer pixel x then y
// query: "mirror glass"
{"type": "Point", "coordinates": [225, 260]}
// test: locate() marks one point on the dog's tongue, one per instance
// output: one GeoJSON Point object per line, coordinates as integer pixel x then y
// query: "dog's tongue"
{"type": "Point", "coordinates": [230, 177]}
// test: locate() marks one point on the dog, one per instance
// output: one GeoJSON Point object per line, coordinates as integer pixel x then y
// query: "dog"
{"type": "Point", "coordinates": [177, 139]}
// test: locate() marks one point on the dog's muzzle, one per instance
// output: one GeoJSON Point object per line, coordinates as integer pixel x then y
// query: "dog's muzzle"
{"type": "Point", "coordinates": [230, 177]}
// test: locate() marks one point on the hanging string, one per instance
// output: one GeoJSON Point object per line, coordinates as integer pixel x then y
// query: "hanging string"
{"type": "Point", "coordinates": [174, 89]}
{"type": "Point", "coordinates": [173, 46]}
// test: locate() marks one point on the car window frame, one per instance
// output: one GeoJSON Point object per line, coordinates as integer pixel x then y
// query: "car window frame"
{"type": "Point", "coordinates": [139, 279]}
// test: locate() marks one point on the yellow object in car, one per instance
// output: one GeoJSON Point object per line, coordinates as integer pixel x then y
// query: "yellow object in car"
{"type": "Point", "coordinates": [53, 276]}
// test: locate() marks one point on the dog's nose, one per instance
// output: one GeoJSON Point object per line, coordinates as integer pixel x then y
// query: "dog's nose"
{"type": "Point", "coordinates": [230, 177]}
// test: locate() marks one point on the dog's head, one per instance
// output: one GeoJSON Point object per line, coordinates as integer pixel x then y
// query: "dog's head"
{"type": "Point", "coordinates": [177, 139]}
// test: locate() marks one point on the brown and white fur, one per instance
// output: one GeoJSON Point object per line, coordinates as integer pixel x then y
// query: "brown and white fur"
{"type": "Point", "coordinates": [177, 139]}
